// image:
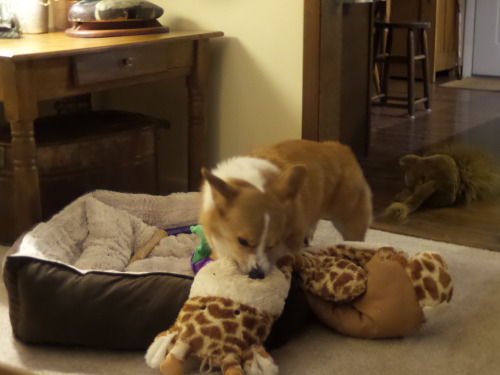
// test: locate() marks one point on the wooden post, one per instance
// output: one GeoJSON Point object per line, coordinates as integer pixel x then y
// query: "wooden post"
{"type": "Point", "coordinates": [322, 69]}
{"type": "Point", "coordinates": [197, 83]}
{"type": "Point", "coordinates": [330, 85]}
{"type": "Point", "coordinates": [21, 109]}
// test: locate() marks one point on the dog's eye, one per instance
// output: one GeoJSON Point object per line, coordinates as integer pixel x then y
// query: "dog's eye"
{"type": "Point", "coordinates": [243, 242]}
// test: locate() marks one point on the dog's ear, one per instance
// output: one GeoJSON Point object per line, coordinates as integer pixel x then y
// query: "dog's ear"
{"type": "Point", "coordinates": [222, 192]}
{"type": "Point", "coordinates": [290, 182]}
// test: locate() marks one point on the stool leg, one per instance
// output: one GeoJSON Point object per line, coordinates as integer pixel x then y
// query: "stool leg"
{"type": "Point", "coordinates": [411, 72]}
{"type": "Point", "coordinates": [385, 75]}
{"type": "Point", "coordinates": [376, 52]}
{"type": "Point", "coordinates": [425, 70]}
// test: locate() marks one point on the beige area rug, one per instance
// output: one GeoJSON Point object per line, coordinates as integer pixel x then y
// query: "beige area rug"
{"type": "Point", "coordinates": [462, 337]}
{"type": "Point", "coordinates": [474, 83]}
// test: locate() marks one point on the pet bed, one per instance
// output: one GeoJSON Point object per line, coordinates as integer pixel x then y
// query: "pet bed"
{"type": "Point", "coordinates": [70, 280]}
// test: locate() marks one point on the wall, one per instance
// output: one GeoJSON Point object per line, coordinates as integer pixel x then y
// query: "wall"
{"type": "Point", "coordinates": [256, 82]}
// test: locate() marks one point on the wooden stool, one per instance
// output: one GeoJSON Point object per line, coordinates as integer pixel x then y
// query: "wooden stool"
{"type": "Point", "coordinates": [383, 55]}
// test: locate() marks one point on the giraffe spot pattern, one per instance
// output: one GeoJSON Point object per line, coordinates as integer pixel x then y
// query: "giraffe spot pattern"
{"type": "Point", "coordinates": [419, 291]}
{"type": "Point", "coordinates": [230, 327]}
{"type": "Point", "coordinates": [213, 332]}
{"type": "Point", "coordinates": [439, 259]}
{"type": "Point", "coordinates": [342, 280]}
{"type": "Point", "coordinates": [188, 330]}
{"type": "Point", "coordinates": [186, 317]}
{"type": "Point", "coordinates": [415, 270]}
{"type": "Point", "coordinates": [249, 339]}
{"type": "Point", "coordinates": [249, 322]}
{"type": "Point", "coordinates": [431, 287]}
{"type": "Point", "coordinates": [200, 318]}
{"type": "Point", "coordinates": [444, 278]}
{"type": "Point", "coordinates": [220, 313]}
{"type": "Point", "coordinates": [229, 349]}
{"type": "Point", "coordinates": [262, 331]}
{"type": "Point", "coordinates": [317, 276]}
{"type": "Point", "coordinates": [429, 265]}
{"type": "Point", "coordinates": [196, 343]}
{"type": "Point", "coordinates": [190, 307]}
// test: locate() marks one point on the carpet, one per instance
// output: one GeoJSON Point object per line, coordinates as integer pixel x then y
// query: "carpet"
{"type": "Point", "coordinates": [474, 83]}
{"type": "Point", "coordinates": [462, 337]}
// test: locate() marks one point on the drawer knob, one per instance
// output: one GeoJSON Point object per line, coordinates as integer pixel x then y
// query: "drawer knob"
{"type": "Point", "coordinates": [128, 62]}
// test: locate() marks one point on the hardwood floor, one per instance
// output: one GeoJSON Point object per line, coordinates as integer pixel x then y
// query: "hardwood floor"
{"type": "Point", "coordinates": [456, 115]}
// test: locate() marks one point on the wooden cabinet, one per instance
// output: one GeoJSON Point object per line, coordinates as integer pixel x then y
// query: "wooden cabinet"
{"type": "Point", "coordinates": [443, 35]}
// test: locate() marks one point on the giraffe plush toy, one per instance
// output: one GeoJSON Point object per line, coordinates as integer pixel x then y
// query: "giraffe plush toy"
{"type": "Point", "coordinates": [228, 316]}
{"type": "Point", "coordinates": [398, 288]}
{"type": "Point", "coordinates": [223, 323]}
{"type": "Point", "coordinates": [361, 292]}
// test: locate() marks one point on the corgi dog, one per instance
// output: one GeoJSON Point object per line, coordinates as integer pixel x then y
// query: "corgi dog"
{"type": "Point", "coordinates": [257, 207]}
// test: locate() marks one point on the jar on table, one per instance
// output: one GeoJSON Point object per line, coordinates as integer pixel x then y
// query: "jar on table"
{"type": "Point", "coordinates": [33, 15]}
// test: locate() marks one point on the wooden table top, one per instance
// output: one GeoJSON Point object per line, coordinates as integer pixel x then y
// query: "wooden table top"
{"type": "Point", "coordinates": [39, 46]}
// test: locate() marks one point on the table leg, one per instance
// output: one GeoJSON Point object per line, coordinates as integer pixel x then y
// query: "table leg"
{"type": "Point", "coordinates": [21, 109]}
{"type": "Point", "coordinates": [197, 83]}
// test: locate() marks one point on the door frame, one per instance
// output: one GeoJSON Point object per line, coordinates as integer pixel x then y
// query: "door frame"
{"type": "Point", "coordinates": [332, 87]}
{"type": "Point", "coordinates": [321, 69]}
{"type": "Point", "coordinates": [468, 37]}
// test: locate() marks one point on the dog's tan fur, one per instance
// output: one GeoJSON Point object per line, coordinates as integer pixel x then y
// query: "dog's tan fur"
{"type": "Point", "coordinates": [312, 181]}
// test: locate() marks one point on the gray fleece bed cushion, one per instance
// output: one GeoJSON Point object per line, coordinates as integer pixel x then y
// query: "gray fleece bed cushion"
{"type": "Point", "coordinates": [70, 281]}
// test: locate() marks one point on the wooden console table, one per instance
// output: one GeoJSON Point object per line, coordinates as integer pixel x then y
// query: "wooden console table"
{"type": "Point", "coordinates": [50, 66]}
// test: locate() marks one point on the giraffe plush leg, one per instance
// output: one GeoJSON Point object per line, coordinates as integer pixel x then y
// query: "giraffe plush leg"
{"type": "Point", "coordinates": [360, 256]}
{"type": "Point", "coordinates": [234, 371]}
{"type": "Point", "coordinates": [329, 277]}
{"type": "Point", "coordinates": [231, 365]}
{"type": "Point", "coordinates": [160, 347]}
{"type": "Point", "coordinates": [259, 362]}
{"type": "Point", "coordinates": [172, 366]}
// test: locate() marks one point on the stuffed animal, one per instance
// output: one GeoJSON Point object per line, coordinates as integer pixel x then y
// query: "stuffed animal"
{"type": "Point", "coordinates": [223, 323]}
{"type": "Point", "coordinates": [398, 288]}
{"type": "Point", "coordinates": [361, 292]}
{"type": "Point", "coordinates": [228, 316]}
{"type": "Point", "coordinates": [456, 174]}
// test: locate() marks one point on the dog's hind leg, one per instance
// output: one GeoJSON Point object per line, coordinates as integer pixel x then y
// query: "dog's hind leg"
{"type": "Point", "coordinates": [310, 236]}
{"type": "Point", "coordinates": [352, 218]}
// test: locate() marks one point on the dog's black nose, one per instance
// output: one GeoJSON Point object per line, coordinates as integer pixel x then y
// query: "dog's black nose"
{"type": "Point", "coordinates": [256, 273]}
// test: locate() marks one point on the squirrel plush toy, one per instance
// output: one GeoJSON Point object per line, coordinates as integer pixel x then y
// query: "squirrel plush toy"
{"type": "Point", "coordinates": [455, 174]}
{"type": "Point", "coordinates": [361, 292]}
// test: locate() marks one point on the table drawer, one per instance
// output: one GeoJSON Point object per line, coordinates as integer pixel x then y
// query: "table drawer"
{"type": "Point", "coordinates": [129, 62]}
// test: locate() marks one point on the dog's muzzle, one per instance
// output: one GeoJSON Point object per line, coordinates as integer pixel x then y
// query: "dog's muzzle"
{"type": "Point", "coordinates": [256, 273]}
